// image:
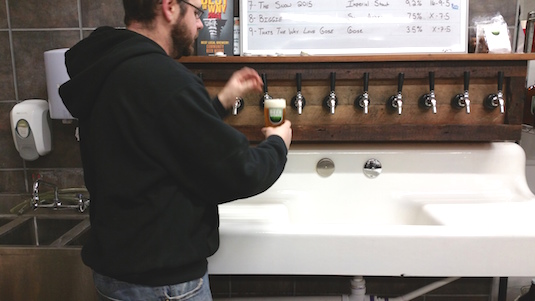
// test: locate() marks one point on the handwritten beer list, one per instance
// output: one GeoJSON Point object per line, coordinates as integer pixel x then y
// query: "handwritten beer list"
{"type": "Point", "coordinates": [353, 26]}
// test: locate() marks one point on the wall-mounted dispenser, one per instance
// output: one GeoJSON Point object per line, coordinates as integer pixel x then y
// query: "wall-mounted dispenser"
{"type": "Point", "coordinates": [30, 126]}
{"type": "Point", "coordinates": [56, 75]}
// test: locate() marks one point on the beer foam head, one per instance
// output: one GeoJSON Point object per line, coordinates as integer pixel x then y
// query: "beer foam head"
{"type": "Point", "coordinates": [275, 103]}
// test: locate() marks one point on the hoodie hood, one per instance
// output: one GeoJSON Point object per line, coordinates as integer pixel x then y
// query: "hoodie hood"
{"type": "Point", "coordinates": [91, 61]}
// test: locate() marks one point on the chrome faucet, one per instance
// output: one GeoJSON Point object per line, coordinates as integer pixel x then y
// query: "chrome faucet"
{"type": "Point", "coordinates": [396, 101]}
{"type": "Point", "coordinates": [36, 201]}
{"type": "Point", "coordinates": [462, 100]}
{"type": "Point", "coordinates": [298, 101]}
{"type": "Point", "coordinates": [496, 100]}
{"type": "Point", "coordinates": [331, 100]}
{"type": "Point", "coordinates": [429, 100]}
{"type": "Point", "coordinates": [266, 94]}
{"type": "Point", "coordinates": [237, 106]}
{"type": "Point", "coordinates": [363, 100]}
{"type": "Point", "coordinates": [81, 203]}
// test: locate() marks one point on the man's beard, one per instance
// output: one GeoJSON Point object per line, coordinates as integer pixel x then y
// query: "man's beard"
{"type": "Point", "coordinates": [182, 41]}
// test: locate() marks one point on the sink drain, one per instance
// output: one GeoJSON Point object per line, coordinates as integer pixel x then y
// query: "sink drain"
{"type": "Point", "coordinates": [325, 167]}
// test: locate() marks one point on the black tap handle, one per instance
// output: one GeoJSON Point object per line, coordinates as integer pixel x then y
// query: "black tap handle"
{"type": "Point", "coordinates": [466, 80]}
{"type": "Point", "coordinates": [264, 79]}
{"type": "Point", "coordinates": [500, 81]}
{"type": "Point", "coordinates": [401, 77]}
{"type": "Point", "coordinates": [366, 81]}
{"type": "Point", "coordinates": [333, 80]}
{"type": "Point", "coordinates": [298, 80]}
{"type": "Point", "coordinates": [431, 81]}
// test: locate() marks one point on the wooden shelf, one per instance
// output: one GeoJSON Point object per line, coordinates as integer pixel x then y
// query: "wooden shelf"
{"type": "Point", "coordinates": [416, 125]}
{"type": "Point", "coordinates": [360, 58]}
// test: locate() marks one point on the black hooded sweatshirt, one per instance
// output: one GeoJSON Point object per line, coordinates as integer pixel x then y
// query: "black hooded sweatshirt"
{"type": "Point", "coordinates": [157, 159]}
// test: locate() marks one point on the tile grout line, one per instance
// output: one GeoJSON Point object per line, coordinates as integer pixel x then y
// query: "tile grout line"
{"type": "Point", "coordinates": [12, 52]}
{"type": "Point", "coordinates": [15, 84]}
{"type": "Point", "coordinates": [80, 19]}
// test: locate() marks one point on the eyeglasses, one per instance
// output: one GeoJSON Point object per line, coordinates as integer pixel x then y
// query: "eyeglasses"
{"type": "Point", "coordinates": [198, 12]}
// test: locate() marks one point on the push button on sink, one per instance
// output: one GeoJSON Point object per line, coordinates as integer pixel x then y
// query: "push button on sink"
{"type": "Point", "coordinates": [372, 168]}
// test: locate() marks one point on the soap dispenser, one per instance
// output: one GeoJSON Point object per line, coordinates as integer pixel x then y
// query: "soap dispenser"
{"type": "Point", "coordinates": [30, 126]}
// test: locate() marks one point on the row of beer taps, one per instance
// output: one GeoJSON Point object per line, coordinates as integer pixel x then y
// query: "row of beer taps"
{"type": "Point", "coordinates": [394, 102]}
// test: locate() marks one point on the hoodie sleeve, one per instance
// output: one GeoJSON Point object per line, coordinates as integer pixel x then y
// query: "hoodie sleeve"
{"type": "Point", "coordinates": [218, 106]}
{"type": "Point", "coordinates": [215, 161]}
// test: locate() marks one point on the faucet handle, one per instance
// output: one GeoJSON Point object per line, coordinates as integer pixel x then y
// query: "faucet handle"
{"type": "Point", "coordinates": [466, 80]}
{"type": "Point", "coordinates": [298, 101]}
{"type": "Point", "coordinates": [396, 101]}
{"type": "Point", "coordinates": [401, 78]}
{"type": "Point", "coordinates": [495, 100]}
{"type": "Point", "coordinates": [363, 101]}
{"type": "Point", "coordinates": [462, 100]}
{"type": "Point", "coordinates": [429, 100]}
{"type": "Point", "coordinates": [431, 81]}
{"type": "Point", "coordinates": [333, 81]}
{"type": "Point", "coordinates": [298, 78]}
{"type": "Point", "coordinates": [331, 100]}
{"type": "Point", "coordinates": [266, 94]}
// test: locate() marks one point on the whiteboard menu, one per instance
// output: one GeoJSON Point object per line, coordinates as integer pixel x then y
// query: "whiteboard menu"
{"type": "Point", "coordinates": [271, 27]}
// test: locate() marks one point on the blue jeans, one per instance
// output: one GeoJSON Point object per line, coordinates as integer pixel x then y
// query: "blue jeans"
{"type": "Point", "coordinates": [110, 289]}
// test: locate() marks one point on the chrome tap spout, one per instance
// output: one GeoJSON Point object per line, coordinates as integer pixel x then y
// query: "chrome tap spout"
{"type": "Point", "coordinates": [466, 99]}
{"type": "Point", "coordinates": [462, 100]}
{"type": "Point", "coordinates": [299, 102]}
{"type": "Point", "coordinates": [363, 100]}
{"type": "Point", "coordinates": [237, 106]}
{"type": "Point", "coordinates": [396, 101]}
{"type": "Point", "coordinates": [331, 102]}
{"type": "Point", "coordinates": [429, 100]}
{"type": "Point", "coordinates": [501, 102]}
{"type": "Point", "coordinates": [496, 100]}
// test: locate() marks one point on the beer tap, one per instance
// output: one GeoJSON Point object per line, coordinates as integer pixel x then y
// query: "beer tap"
{"type": "Point", "coordinates": [496, 100]}
{"type": "Point", "coordinates": [429, 100]}
{"type": "Point", "coordinates": [462, 100]}
{"type": "Point", "coordinates": [237, 106]}
{"type": "Point", "coordinates": [363, 100]}
{"type": "Point", "coordinates": [396, 101]}
{"type": "Point", "coordinates": [266, 94]}
{"type": "Point", "coordinates": [298, 101]}
{"type": "Point", "coordinates": [331, 100]}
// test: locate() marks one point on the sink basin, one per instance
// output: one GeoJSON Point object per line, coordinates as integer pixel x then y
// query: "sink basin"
{"type": "Point", "coordinates": [434, 210]}
{"type": "Point", "coordinates": [6, 219]}
{"type": "Point", "coordinates": [41, 230]}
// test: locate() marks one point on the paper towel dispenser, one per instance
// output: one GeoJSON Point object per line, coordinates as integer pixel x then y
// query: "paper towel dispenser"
{"type": "Point", "coordinates": [30, 126]}
{"type": "Point", "coordinates": [56, 75]}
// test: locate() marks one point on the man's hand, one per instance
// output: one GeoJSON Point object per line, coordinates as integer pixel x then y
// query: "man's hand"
{"type": "Point", "coordinates": [240, 83]}
{"type": "Point", "coordinates": [284, 131]}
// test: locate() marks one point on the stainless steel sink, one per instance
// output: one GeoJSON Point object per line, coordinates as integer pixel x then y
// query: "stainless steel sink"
{"type": "Point", "coordinates": [5, 219]}
{"type": "Point", "coordinates": [43, 230]}
{"type": "Point", "coordinates": [44, 244]}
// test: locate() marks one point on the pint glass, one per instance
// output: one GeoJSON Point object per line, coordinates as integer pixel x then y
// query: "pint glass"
{"type": "Point", "coordinates": [274, 111]}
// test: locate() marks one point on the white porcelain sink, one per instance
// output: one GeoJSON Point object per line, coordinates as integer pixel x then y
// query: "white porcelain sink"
{"type": "Point", "coordinates": [434, 210]}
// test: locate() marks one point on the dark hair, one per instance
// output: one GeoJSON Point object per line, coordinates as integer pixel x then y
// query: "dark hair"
{"type": "Point", "coordinates": [143, 11]}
